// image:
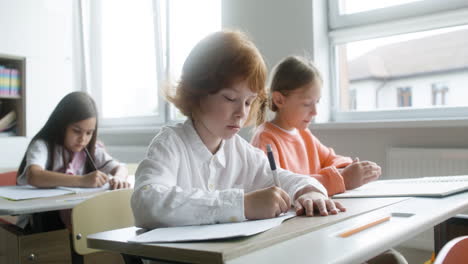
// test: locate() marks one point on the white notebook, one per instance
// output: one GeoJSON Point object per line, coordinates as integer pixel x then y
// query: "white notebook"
{"type": "Point", "coordinates": [209, 232]}
{"type": "Point", "coordinates": [437, 186]}
{"type": "Point", "coordinates": [24, 192]}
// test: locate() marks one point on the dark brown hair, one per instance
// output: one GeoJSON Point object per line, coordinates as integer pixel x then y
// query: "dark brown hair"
{"type": "Point", "coordinates": [292, 73]}
{"type": "Point", "coordinates": [74, 107]}
{"type": "Point", "coordinates": [216, 62]}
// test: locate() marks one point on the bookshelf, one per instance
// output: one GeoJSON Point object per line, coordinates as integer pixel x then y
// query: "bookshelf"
{"type": "Point", "coordinates": [12, 96]}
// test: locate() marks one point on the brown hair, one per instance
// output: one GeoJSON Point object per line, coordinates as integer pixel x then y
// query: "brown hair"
{"type": "Point", "coordinates": [216, 62]}
{"type": "Point", "coordinates": [74, 107]}
{"type": "Point", "coordinates": [292, 73]}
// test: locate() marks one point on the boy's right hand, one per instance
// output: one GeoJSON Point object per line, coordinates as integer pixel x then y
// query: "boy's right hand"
{"type": "Point", "coordinates": [94, 179]}
{"type": "Point", "coordinates": [359, 173]}
{"type": "Point", "coordinates": [266, 203]}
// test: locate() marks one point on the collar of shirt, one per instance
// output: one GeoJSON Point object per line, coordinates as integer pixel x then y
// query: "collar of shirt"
{"type": "Point", "coordinates": [200, 149]}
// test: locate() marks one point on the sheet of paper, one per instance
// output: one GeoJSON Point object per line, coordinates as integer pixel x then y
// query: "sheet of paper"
{"type": "Point", "coordinates": [208, 232]}
{"type": "Point", "coordinates": [426, 186]}
{"type": "Point", "coordinates": [85, 190]}
{"type": "Point", "coordinates": [24, 192]}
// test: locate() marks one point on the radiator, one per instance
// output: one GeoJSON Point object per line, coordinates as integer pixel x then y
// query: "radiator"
{"type": "Point", "coordinates": [421, 162]}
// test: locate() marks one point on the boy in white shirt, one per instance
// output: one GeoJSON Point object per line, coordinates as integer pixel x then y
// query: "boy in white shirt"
{"type": "Point", "coordinates": [201, 172]}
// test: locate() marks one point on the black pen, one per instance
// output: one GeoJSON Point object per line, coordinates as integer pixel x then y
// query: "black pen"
{"type": "Point", "coordinates": [271, 159]}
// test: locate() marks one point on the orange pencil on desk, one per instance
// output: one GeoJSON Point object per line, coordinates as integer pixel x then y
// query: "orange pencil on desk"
{"type": "Point", "coordinates": [365, 226]}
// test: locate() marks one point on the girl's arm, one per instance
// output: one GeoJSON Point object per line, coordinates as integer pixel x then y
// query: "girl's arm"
{"type": "Point", "coordinates": [39, 177]}
{"type": "Point", "coordinates": [120, 172]}
{"type": "Point", "coordinates": [305, 193]}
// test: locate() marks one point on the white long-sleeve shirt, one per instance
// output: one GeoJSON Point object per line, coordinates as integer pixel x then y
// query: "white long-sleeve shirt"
{"type": "Point", "coordinates": [180, 182]}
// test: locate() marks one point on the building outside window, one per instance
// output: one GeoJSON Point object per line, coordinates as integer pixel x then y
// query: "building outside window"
{"type": "Point", "coordinates": [407, 44]}
{"type": "Point", "coordinates": [439, 93]}
{"type": "Point", "coordinates": [404, 97]}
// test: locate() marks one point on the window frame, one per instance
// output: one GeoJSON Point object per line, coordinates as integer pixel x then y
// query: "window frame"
{"type": "Point", "coordinates": [395, 20]}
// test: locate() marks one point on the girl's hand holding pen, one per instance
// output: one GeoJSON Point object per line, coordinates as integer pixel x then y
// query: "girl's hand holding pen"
{"type": "Point", "coordinates": [266, 203]}
{"type": "Point", "coordinates": [94, 179]}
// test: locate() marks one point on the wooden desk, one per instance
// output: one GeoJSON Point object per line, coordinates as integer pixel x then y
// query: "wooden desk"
{"type": "Point", "coordinates": [242, 250]}
{"type": "Point", "coordinates": [38, 205]}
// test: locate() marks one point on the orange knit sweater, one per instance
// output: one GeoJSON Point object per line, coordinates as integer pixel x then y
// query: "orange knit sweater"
{"type": "Point", "coordinates": [304, 154]}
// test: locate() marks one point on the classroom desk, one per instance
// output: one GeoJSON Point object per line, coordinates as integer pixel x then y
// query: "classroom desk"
{"type": "Point", "coordinates": [68, 201]}
{"type": "Point", "coordinates": [29, 246]}
{"type": "Point", "coordinates": [226, 251]}
{"type": "Point", "coordinates": [293, 243]}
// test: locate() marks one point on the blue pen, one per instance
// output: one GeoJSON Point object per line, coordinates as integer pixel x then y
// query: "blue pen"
{"type": "Point", "coordinates": [271, 159]}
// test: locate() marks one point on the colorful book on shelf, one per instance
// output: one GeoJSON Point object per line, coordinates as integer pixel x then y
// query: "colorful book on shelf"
{"type": "Point", "coordinates": [14, 82]}
{"type": "Point", "coordinates": [9, 81]}
{"type": "Point", "coordinates": [3, 87]}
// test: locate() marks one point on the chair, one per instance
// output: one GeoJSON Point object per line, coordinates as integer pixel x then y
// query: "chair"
{"type": "Point", "coordinates": [106, 211]}
{"type": "Point", "coordinates": [454, 252]}
{"type": "Point", "coordinates": [8, 178]}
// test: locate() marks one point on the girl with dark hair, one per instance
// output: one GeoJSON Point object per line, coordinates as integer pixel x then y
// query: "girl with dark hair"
{"type": "Point", "coordinates": [65, 152]}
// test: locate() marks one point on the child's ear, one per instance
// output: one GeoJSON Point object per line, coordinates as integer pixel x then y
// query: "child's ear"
{"type": "Point", "coordinates": [278, 99]}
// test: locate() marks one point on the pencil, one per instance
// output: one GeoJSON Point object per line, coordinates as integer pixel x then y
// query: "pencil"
{"type": "Point", "coordinates": [90, 158]}
{"type": "Point", "coordinates": [365, 226]}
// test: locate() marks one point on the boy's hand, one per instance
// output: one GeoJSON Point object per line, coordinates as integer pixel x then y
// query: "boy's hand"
{"type": "Point", "coordinates": [116, 183]}
{"type": "Point", "coordinates": [359, 173]}
{"type": "Point", "coordinates": [266, 203]}
{"type": "Point", "coordinates": [94, 179]}
{"type": "Point", "coordinates": [307, 202]}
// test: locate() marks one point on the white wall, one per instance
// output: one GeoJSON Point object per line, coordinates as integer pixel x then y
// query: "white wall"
{"type": "Point", "coordinates": [271, 27]}
{"type": "Point", "coordinates": [41, 31]}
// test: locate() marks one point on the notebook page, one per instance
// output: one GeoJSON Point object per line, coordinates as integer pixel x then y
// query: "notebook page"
{"type": "Point", "coordinates": [24, 192]}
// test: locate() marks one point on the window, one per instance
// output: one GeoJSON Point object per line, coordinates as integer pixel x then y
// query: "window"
{"type": "Point", "coordinates": [439, 93]}
{"type": "Point", "coordinates": [404, 97]}
{"type": "Point", "coordinates": [384, 61]}
{"type": "Point", "coordinates": [357, 6]}
{"type": "Point", "coordinates": [135, 48]}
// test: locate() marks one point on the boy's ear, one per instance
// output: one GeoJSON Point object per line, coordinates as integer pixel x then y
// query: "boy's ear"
{"type": "Point", "coordinates": [278, 98]}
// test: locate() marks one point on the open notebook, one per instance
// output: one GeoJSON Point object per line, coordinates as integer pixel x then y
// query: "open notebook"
{"type": "Point", "coordinates": [24, 192]}
{"type": "Point", "coordinates": [426, 186]}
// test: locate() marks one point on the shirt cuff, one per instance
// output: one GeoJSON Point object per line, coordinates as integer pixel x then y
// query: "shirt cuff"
{"type": "Point", "coordinates": [232, 206]}
{"type": "Point", "coordinates": [312, 182]}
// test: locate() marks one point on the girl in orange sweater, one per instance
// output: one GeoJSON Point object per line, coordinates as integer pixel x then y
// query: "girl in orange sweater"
{"type": "Point", "coordinates": [294, 95]}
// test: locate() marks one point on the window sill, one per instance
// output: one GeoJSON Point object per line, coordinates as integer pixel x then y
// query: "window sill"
{"type": "Point", "coordinates": [410, 123]}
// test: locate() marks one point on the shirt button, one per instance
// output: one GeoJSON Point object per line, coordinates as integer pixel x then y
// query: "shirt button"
{"type": "Point", "coordinates": [210, 187]}
{"type": "Point", "coordinates": [146, 187]}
